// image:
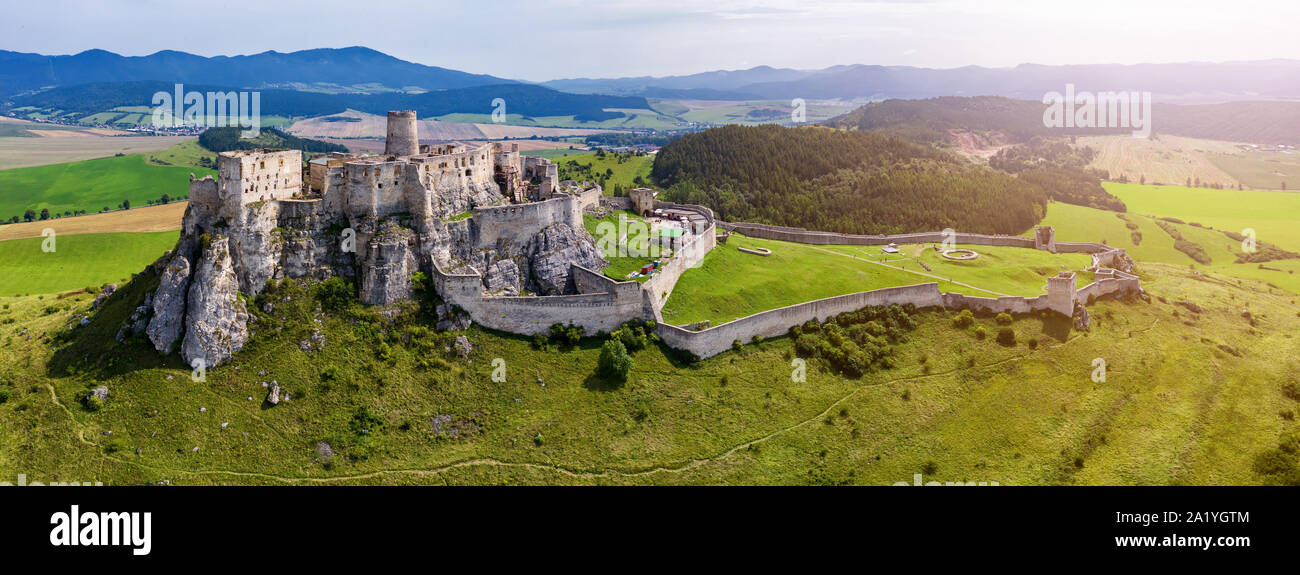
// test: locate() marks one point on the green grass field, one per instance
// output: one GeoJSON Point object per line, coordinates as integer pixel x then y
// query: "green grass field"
{"type": "Point", "coordinates": [620, 267]}
{"type": "Point", "coordinates": [624, 173]}
{"type": "Point", "coordinates": [729, 283]}
{"type": "Point", "coordinates": [1273, 215]}
{"type": "Point", "coordinates": [78, 261]}
{"type": "Point", "coordinates": [999, 270]}
{"type": "Point", "coordinates": [91, 185]}
{"type": "Point", "coordinates": [1176, 408]}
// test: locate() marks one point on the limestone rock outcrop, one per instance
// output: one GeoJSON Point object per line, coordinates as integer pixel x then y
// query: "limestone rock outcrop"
{"type": "Point", "coordinates": [168, 321]}
{"type": "Point", "coordinates": [550, 252]}
{"type": "Point", "coordinates": [388, 265]}
{"type": "Point", "coordinates": [216, 319]}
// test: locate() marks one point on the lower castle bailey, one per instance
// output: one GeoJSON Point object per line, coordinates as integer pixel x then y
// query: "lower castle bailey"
{"type": "Point", "coordinates": [502, 240]}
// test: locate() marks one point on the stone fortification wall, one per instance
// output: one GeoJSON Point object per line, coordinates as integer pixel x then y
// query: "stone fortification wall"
{"type": "Point", "coordinates": [519, 222]}
{"type": "Point", "coordinates": [803, 236]}
{"type": "Point", "coordinates": [661, 284]}
{"type": "Point", "coordinates": [604, 309]}
{"type": "Point", "coordinates": [1110, 282]}
{"type": "Point", "coordinates": [777, 322]}
{"type": "Point", "coordinates": [249, 176]}
{"type": "Point", "coordinates": [457, 170]}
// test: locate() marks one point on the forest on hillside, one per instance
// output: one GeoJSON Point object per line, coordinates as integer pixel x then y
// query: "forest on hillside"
{"type": "Point", "coordinates": [845, 181]}
{"type": "Point", "coordinates": [227, 139]}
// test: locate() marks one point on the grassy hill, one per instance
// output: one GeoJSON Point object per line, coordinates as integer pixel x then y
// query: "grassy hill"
{"type": "Point", "coordinates": [91, 185]}
{"type": "Point", "coordinates": [1190, 398]}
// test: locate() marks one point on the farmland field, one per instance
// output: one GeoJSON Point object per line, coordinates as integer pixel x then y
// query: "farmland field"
{"type": "Point", "coordinates": [1163, 159]}
{"type": "Point", "coordinates": [78, 261]}
{"type": "Point", "coordinates": [91, 185]}
{"type": "Point", "coordinates": [22, 152]}
{"type": "Point", "coordinates": [1262, 170]}
{"type": "Point", "coordinates": [160, 218]}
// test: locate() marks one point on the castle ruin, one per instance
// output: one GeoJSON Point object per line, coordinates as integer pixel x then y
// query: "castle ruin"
{"type": "Point", "coordinates": [502, 240]}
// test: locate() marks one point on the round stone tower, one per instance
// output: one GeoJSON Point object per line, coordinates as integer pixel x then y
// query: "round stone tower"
{"type": "Point", "coordinates": [403, 137]}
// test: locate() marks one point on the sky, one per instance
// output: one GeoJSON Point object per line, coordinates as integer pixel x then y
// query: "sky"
{"type": "Point", "coordinates": [549, 39]}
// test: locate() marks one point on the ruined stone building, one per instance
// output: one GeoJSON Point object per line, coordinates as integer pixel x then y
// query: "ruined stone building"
{"type": "Point", "coordinates": [376, 219]}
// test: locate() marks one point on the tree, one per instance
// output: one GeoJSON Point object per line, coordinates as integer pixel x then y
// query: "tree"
{"type": "Point", "coordinates": [614, 362]}
{"type": "Point", "coordinates": [45, 214]}
{"type": "Point", "coordinates": [165, 199]}
{"type": "Point", "coordinates": [29, 215]}
{"type": "Point", "coordinates": [126, 204]}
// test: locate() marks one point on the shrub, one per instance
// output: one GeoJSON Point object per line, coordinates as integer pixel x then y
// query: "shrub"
{"type": "Point", "coordinates": [92, 403]}
{"type": "Point", "coordinates": [1006, 336]}
{"type": "Point", "coordinates": [4, 396]}
{"type": "Point", "coordinates": [963, 319]}
{"type": "Point", "coordinates": [1004, 318]}
{"type": "Point", "coordinates": [737, 346]}
{"type": "Point", "coordinates": [614, 362]}
{"type": "Point", "coordinates": [930, 468]}
{"type": "Point", "coordinates": [1291, 390]}
{"type": "Point", "coordinates": [335, 293]}
{"type": "Point", "coordinates": [330, 373]}
{"type": "Point", "coordinates": [364, 422]}
{"type": "Point", "coordinates": [633, 337]}
{"type": "Point", "coordinates": [1033, 343]}
{"type": "Point", "coordinates": [540, 341]}
{"type": "Point", "coordinates": [980, 332]}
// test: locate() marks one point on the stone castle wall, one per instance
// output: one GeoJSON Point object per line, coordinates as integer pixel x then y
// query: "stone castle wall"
{"type": "Point", "coordinates": [661, 284]}
{"type": "Point", "coordinates": [518, 222]}
{"type": "Point", "coordinates": [803, 236]}
{"type": "Point", "coordinates": [249, 176]}
{"type": "Point", "coordinates": [777, 322]}
{"type": "Point", "coordinates": [603, 307]}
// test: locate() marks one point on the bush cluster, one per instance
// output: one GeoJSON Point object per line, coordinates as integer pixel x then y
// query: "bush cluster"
{"type": "Point", "coordinates": [855, 342]}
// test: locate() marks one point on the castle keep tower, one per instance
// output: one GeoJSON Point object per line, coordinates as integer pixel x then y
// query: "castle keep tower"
{"type": "Point", "coordinates": [403, 137]}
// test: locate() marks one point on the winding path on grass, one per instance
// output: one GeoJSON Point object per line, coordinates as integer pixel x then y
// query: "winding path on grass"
{"type": "Point", "coordinates": [575, 473]}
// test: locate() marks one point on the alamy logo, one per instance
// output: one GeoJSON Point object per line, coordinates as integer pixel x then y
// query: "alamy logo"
{"type": "Point", "coordinates": [498, 110]}
{"type": "Point", "coordinates": [211, 109]}
{"type": "Point", "coordinates": [1102, 110]}
{"type": "Point", "coordinates": [95, 529]}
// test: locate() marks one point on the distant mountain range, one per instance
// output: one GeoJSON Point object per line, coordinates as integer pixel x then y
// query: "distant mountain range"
{"type": "Point", "coordinates": [82, 100]}
{"type": "Point", "coordinates": [354, 69]}
{"type": "Point", "coordinates": [1193, 82]}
